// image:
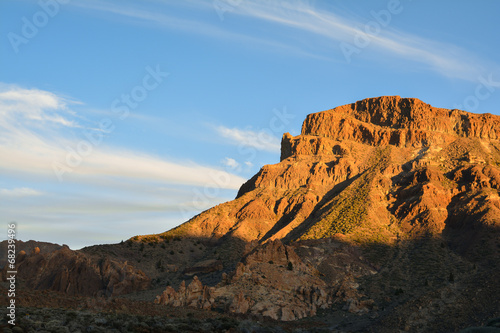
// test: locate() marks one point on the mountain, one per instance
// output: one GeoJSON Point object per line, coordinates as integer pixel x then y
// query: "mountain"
{"type": "Point", "coordinates": [363, 166]}
{"type": "Point", "coordinates": [382, 215]}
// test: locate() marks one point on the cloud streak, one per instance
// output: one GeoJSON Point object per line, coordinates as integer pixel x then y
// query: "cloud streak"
{"type": "Point", "coordinates": [195, 26]}
{"type": "Point", "coordinates": [26, 148]}
{"type": "Point", "coordinates": [443, 58]}
{"type": "Point", "coordinates": [19, 192]}
{"type": "Point", "coordinates": [260, 140]}
{"type": "Point", "coordinates": [329, 29]}
{"type": "Point", "coordinates": [33, 105]}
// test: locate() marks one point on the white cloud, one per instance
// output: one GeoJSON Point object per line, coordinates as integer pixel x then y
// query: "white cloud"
{"type": "Point", "coordinates": [158, 18]}
{"type": "Point", "coordinates": [103, 186]}
{"type": "Point", "coordinates": [230, 162]}
{"type": "Point", "coordinates": [19, 192]}
{"type": "Point", "coordinates": [444, 58]}
{"type": "Point", "coordinates": [20, 105]}
{"type": "Point", "coordinates": [135, 165]}
{"type": "Point", "coordinates": [47, 152]}
{"type": "Point", "coordinates": [261, 140]}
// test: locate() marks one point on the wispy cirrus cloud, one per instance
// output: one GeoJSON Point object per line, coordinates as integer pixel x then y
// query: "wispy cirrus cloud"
{"type": "Point", "coordinates": [19, 192]}
{"type": "Point", "coordinates": [260, 140]}
{"type": "Point", "coordinates": [444, 58]}
{"type": "Point", "coordinates": [33, 105]}
{"type": "Point", "coordinates": [161, 18]}
{"type": "Point", "coordinates": [328, 28]}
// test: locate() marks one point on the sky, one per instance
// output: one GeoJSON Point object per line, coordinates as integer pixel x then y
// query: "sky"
{"type": "Point", "coordinates": [123, 118]}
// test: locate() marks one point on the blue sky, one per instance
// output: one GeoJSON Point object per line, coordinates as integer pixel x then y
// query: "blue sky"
{"type": "Point", "coordinates": [120, 118]}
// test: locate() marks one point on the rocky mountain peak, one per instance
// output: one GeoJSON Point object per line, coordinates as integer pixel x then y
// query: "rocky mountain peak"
{"type": "Point", "coordinates": [403, 122]}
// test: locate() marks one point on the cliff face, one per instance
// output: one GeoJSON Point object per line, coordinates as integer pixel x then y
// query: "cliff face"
{"type": "Point", "coordinates": [403, 122]}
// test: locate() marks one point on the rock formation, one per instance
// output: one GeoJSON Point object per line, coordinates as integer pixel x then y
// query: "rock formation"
{"type": "Point", "coordinates": [271, 281]}
{"type": "Point", "coordinates": [403, 122]}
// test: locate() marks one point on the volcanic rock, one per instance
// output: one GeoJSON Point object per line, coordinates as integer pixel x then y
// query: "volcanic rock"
{"type": "Point", "coordinates": [270, 281]}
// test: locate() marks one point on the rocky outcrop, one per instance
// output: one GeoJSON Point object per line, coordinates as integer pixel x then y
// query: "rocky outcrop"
{"type": "Point", "coordinates": [399, 121]}
{"type": "Point", "coordinates": [271, 281]}
{"type": "Point", "coordinates": [194, 295]}
{"type": "Point", "coordinates": [362, 165]}
{"type": "Point", "coordinates": [74, 273]}
{"type": "Point", "coordinates": [26, 247]}
{"type": "Point", "coordinates": [403, 122]}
